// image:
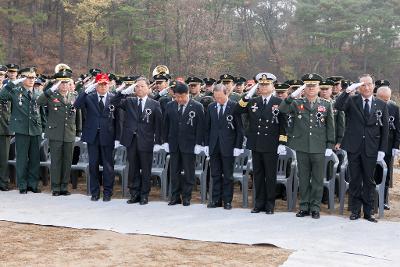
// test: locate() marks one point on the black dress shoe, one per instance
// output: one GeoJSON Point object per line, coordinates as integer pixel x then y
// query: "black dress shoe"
{"type": "Point", "coordinates": [174, 202]}
{"type": "Point", "coordinates": [370, 218]}
{"type": "Point", "coordinates": [212, 205]}
{"type": "Point", "coordinates": [228, 206]}
{"type": "Point", "coordinates": [385, 206]}
{"type": "Point", "coordinates": [4, 188]}
{"type": "Point", "coordinates": [186, 203]}
{"type": "Point", "coordinates": [23, 191]}
{"type": "Point", "coordinates": [133, 200]}
{"type": "Point", "coordinates": [95, 198]}
{"type": "Point", "coordinates": [269, 212]}
{"type": "Point", "coordinates": [144, 201]}
{"type": "Point", "coordinates": [34, 190]}
{"type": "Point", "coordinates": [315, 214]}
{"type": "Point", "coordinates": [106, 198]}
{"type": "Point", "coordinates": [65, 193]}
{"type": "Point", "coordinates": [256, 210]}
{"type": "Point", "coordinates": [55, 193]}
{"type": "Point", "coordinates": [354, 216]}
{"type": "Point", "coordinates": [302, 213]}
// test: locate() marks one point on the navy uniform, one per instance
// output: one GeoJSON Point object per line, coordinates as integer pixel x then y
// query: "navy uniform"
{"type": "Point", "coordinates": [141, 130]}
{"type": "Point", "coordinates": [266, 124]}
{"type": "Point", "coordinates": [26, 122]}
{"type": "Point", "coordinates": [311, 132]}
{"type": "Point", "coordinates": [183, 131]}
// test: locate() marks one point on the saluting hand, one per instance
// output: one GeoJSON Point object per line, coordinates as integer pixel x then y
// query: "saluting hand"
{"type": "Point", "coordinates": [298, 91]}
{"type": "Point", "coordinates": [353, 87]}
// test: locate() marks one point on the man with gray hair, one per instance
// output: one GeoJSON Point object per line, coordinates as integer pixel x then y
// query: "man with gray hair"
{"type": "Point", "coordinates": [384, 93]}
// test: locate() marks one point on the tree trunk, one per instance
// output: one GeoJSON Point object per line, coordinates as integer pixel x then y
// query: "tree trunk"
{"type": "Point", "coordinates": [61, 54]}
{"type": "Point", "coordinates": [89, 50]}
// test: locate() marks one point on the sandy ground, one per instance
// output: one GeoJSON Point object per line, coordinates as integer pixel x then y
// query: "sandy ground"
{"type": "Point", "coordinates": [24, 244]}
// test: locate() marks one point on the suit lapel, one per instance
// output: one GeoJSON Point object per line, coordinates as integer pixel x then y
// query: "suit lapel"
{"type": "Point", "coordinates": [188, 107]}
{"type": "Point", "coordinates": [95, 101]}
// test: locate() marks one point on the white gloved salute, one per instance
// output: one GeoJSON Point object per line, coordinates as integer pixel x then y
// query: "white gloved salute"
{"type": "Point", "coordinates": [163, 92]}
{"type": "Point", "coordinates": [281, 150]}
{"type": "Point", "coordinates": [121, 87]}
{"type": "Point", "coordinates": [395, 152]}
{"type": "Point", "coordinates": [90, 88]}
{"type": "Point", "coordinates": [206, 150]}
{"type": "Point", "coordinates": [17, 81]}
{"type": "Point", "coordinates": [198, 149]}
{"type": "Point", "coordinates": [381, 156]}
{"type": "Point", "coordinates": [328, 152]}
{"type": "Point", "coordinates": [237, 152]}
{"type": "Point", "coordinates": [251, 92]}
{"type": "Point", "coordinates": [156, 148]}
{"type": "Point", "coordinates": [130, 90]}
{"type": "Point", "coordinates": [298, 91]}
{"type": "Point", "coordinates": [55, 86]}
{"type": "Point", "coordinates": [353, 87]}
{"type": "Point", "coordinates": [165, 146]}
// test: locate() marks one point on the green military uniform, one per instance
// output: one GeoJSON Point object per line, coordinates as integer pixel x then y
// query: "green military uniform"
{"type": "Point", "coordinates": [5, 137]}
{"type": "Point", "coordinates": [311, 132]}
{"type": "Point", "coordinates": [61, 132]}
{"type": "Point", "coordinates": [339, 118]}
{"type": "Point", "coordinates": [235, 97]}
{"type": "Point", "coordinates": [26, 122]}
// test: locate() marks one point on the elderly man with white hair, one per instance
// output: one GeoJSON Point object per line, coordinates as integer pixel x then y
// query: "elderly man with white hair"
{"type": "Point", "coordinates": [384, 93]}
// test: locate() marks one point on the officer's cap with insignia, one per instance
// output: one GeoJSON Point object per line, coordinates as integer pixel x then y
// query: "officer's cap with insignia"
{"type": "Point", "coordinates": [180, 88]}
{"type": "Point", "coordinates": [94, 72]}
{"type": "Point", "coordinates": [39, 81]}
{"type": "Point", "coordinates": [162, 77]}
{"type": "Point", "coordinates": [265, 78]}
{"type": "Point", "coordinates": [240, 80]}
{"type": "Point", "coordinates": [226, 78]}
{"type": "Point", "coordinates": [326, 83]}
{"type": "Point", "coordinates": [12, 67]}
{"type": "Point", "coordinates": [29, 72]}
{"type": "Point", "coordinates": [346, 83]}
{"type": "Point", "coordinates": [295, 83]}
{"type": "Point", "coordinates": [193, 80]}
{"type": "Point", "coordinates": [380, 83]}
{"type": "Point", "coordinates": [281, 87]}
{"type": "Point", "coordinates": [63, 76]}
{"type": "Point", "coordinates": [3, 69]}
{"type": "Point", "coordinates": [129, 80]}
{"type": "Point", "coordinates": [336, 79]}
{"type": "Point", "coordinates": [209, 81]}
{"type": "Point", "coordinates": [112, 76]}
{"type": "Point", "coordinates": [312, 79]}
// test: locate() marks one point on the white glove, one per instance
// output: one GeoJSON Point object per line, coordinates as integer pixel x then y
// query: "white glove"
{"type": "Point", "coordinates": [55, 86]}
{"type": "Point", "coordinates": [130, 90]}
{"type": "Point", "coordinates": [42, 135]}
{"type": "Point", "coordinates": [395, 152]}
{"type": "Point", "coordinates": [90, 88]}
{"type": "Point", "coordinates": [156, 148]}
{"type": "Point", "coordinates": [117, 144]}
{"type": "Point", "coordinates": [298, 91]}
{"type": "Point", "coordinates": [237, 152]}
{"type": "Point", "coordinates": [165, 146]}
{"type": "Point", "coordinates": [122, 86]}
{"type": "Point", "coordinates": [353, 87]}
{"type": "Point", "coordinates": [17, 81]}
{"type": "Point", "coordinates": [77, 139]}
{"type": "Point", "coordinates": [328, 152]}
{"type": "Point", "coordinates": [251, 91]}
{"type": "Point", "coordinates": [381, 156]}
{"type": "Point", "coordinates": [206, 150]}
{"type": "Point", "coordinates": [198, 149]}
{"type": "Point", "coordinates": [164, 91]}
{"type": "Point", "coordinates": [281, 150]}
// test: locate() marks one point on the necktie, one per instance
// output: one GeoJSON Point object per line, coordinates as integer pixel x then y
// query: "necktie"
{"type": "Point", "coordinates": [221, 111]}
{"type": "Point", "coordinates": [140, 108]}
{"type": "Point", "coordinates": [30, 95]}
{"type": "Point", "coordinates": [101, 103]}
{"type": "Point", "coordinates": [366, 108]}
{"type": "Point", "coordinates": [265, 102]}
{"type": "Point", "coordinates": [180, 111]}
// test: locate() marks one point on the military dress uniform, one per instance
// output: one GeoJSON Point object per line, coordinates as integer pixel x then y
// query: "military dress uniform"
{"type": "Point", "coordinates": [5, 137]}
{"type": "Point", "coordinates": [61, 132]}
{"type": "Point", "coordinates": [26, 122]}
{"type": "Point", "coordinates": [311, 132]}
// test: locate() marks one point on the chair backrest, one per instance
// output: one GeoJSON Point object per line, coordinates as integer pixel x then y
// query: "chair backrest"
{"type": "Point", "coordinates": [84, 153]}
{"type": "Point", "coordinates": [331, 165]}
{"type": "Point", "coordinates": [120, 155]}
{"type": "Point", "coordinates": [284, 163]}
{"type": "Point", "coordinates": [44, 153]}
{"type": "Point", "coordinates": [241, 162]}
{"type": "Point", "coordinates": [159, 159]}
{"type": "Point", "coordinates": [200, 161]}
{"type": "Point", "coordinates": [380, 176]}
{"type": "Point", "coordinates": [343, 161]}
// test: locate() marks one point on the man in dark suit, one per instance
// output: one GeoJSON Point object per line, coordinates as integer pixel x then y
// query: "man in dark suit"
{"type": "Point", "coordinates": [224, 141]}
{"type": "Point", "coordinates": [266, 124]}
{"type": "Point", "coordinates": [384, 93]}
{"type": "Point", "coordinates": [99, 133]}
{"type": "Point", "coordinates": [141, 129]}
{"type": "Point", "coordinates": [183, 135]}
{"type": "Point", "coordinates": [365, 140]}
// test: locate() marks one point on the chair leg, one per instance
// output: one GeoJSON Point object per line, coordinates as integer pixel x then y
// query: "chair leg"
{"type": "Point", "coordinates": [203, 186]}
{"type": "Point", "coordinates": [210, 189]}
{"type": "Point", "coordinates": [245, 190]}
{"type": "Point", "coordinates": [331, 197]}
{"type": "Point", "coordinates": [289, 194]}
{"type": "Point", "coordinates": [342, 195]}
{"type": "Point", "coordinates": [87, 181]}
{"type": "Point", "coordinates": [381, 196]}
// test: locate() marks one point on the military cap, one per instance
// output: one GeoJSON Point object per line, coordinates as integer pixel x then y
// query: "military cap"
{"type": "Point", "coordinates": [380, 83]}
{"type": "Point", "coordinates": [281, 87]}
{"type": "Point", "coordinates": [83, 76]}
{"type": "Point", "coordinates": [226, 78]}
{"type": "Point", "coordinates": [346, 83]}
{"type": "Point", "coordinates": [240, 80]}
{"type": "Point", "coordinates": [209, 81]}
{"type": "Point", "coordinates": [336, 79]}
{"type": "Point", "coordinates": [180, 88]}
{"type": "Point", "coordinates": [295, 83]}
{"type": "Point", "coordinates": [28, 72]}
{"type": "Point", "coordinates": [312, 78]}
{"type": "Point", "coordinates": [326, 83]}
{"type": "Point", "coordinates": [40, 81]}
{"type": "Point", "coordinates": [162, 77]}
{"type": "Point", "coordinates": [94, 72]}
{"type": "Point", "coordinates": [129, 79]}
{"type": "Point", "coordinates": [63, 76]}
{"type": "Point", "coordinates": [193, 79]}
{"type": "Point", "coordinates": [3, 69]}
{"type": "Point", "coordinates": [112, 76]}
{"type": "Point", "coordinates": [12, 67]}
{"type": "Point", "coordinates": [265, 78]}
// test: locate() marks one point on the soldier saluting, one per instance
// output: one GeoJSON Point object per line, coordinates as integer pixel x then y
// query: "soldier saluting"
{"type": "Point", "coordinates": [311, 133]}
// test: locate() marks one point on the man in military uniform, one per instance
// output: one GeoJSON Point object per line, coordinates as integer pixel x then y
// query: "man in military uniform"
{"type": "Point", "coordinates": [60, 130]}
{"type": "Point", "coordinates": [227, 80]}
{"type": "Point", "coordinates": [312, 136]}
{"type": "Point", "coordinates": [294, 85]}
{"type": "Point", "coordinates": [239, 85]}
{"type": "Point", "coordinates": [384, 93]}
{"type": "Point", "coordinates": [266, 124]}
{"type": "Point", "coordinates": [209, 86]}
{"type": "Point", "coordinates": [161, 81]}
{"type": "Point", "coordinates": [337, 87]}
{"type": "Point", "coordinates": [5, 135]}
{"type": "Point", "coordinates": [194, 84]}
{"type": "Point", "coordinates": [12, 72]}
{"type": "Point", "coordinates": [281, 90]}
{"type": "Point", "coordinates": [26, 123]}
